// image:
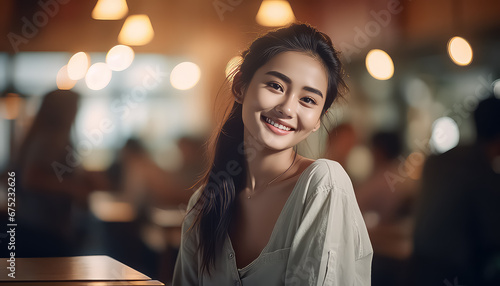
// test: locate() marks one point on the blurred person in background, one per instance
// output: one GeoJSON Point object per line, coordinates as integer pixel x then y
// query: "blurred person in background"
{"type": "Point", "coordinates": [137, 178]}
{"type": "Point", "coordinates": [388, 209]}
{"type": "Point", "coordinates": [457, 234]}
{"type": "Point", "coordinates": [52, 186]}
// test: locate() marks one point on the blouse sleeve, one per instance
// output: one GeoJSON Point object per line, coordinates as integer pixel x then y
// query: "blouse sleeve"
{"type": "Point", "coordinates": [186, 266]}
{"type": "Point", "coordinates": [331, 245]}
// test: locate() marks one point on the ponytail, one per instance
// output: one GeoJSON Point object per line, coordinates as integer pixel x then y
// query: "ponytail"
{"type": "Point", "coordinates": [220, 185]}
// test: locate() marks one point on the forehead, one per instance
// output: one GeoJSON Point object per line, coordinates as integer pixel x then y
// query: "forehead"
{"type": "Point", "coordinates": [301, 68]}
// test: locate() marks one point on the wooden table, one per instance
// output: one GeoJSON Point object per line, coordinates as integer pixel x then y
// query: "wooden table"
{"type": "Point", "coordinates": [95, 270]}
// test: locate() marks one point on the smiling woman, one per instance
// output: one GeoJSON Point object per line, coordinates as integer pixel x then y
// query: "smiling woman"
{"type": "Point", "coordinates": [263, 214]}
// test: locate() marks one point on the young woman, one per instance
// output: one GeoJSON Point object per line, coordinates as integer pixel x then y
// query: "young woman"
{"type": "Point", "coordinates": [264, 215]}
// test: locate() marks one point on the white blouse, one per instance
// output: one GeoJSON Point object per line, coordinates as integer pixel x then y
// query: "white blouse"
{"type": "Point", "coordinates": [320, 238]}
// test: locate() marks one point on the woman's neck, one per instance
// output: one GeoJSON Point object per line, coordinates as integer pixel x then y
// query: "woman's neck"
{"type": "Point", "coordinates": [263, 165]}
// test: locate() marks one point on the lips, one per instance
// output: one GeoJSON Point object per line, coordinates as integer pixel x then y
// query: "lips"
{"type": "Point", "coordinates": [277, 126]}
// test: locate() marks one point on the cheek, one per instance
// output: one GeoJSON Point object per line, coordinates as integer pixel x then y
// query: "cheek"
{"type": "Point", "coordinates": [253, 97]}
{"type": "Point", "coordinates": [263, 99]}
{"type": "Point", "coordinates": [309, 120]}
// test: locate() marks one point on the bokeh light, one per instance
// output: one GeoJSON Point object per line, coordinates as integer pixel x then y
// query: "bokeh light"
{"type": "Point", "coordinates": [445, 135]}
{"type": "Point", "coordinates": [78, 65]}
{"type": "Point", "coordinates": [63, 81]}
{"type": "Point", "coordinates": [120, 57]}
{"type": "Point", "coordinates": [379, 64]}
{"type": "Point", "coordinates": [185, 75]}
{"type": "Point", "coordinates": [460, 51]}
{"type": "Point", "coordinates": [98, 76]}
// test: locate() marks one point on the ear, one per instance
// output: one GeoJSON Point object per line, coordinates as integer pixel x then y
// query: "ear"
{"type": "Point", "coordinates": [318, 125]}
{"type": "Point", "coordinates": [238, 88]}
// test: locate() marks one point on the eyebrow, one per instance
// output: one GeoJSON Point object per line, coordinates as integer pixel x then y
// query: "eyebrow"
{"type": "Point", "coordinates": [289, 81]}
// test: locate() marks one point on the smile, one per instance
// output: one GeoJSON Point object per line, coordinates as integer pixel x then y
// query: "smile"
{"type": "Point", "coordinates": [275, 127]}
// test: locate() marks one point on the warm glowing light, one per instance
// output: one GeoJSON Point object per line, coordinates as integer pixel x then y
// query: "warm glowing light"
{"type": "Point", "coordinates": [185, 75]}
{"type": "Point", "coordinates": [119, 57]}
{"type": "Point", "coordinates": [136, 31]}
{"type": "Point", "coordinates": [445, 134]}
{"type": "Point", "coordinates": [379, 64]}
{"type": "Point", "coordinates": [460, 51]}
{"type": "Point", "coordinates": [63, 81]}
{"type": "Point", "coordinates": [232, 65]}
{"type": "Point", "coordinates": [98, 76]}
{"type": "Point", "coordinates": [11, 105]}
{"type": "Point", "coordinates": [110, 10]}
{"type": "Point", "coordinates": [274, 13]}
{"type": "Point", "coordinates": [78, 65]}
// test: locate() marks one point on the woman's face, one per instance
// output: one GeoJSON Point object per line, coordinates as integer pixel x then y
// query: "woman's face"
{"type": "Point", "coordinates": [282, 104]}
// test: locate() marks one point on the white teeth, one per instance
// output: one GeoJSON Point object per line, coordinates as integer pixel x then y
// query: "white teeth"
{"type": "Point", "coordinates": [277, 125]}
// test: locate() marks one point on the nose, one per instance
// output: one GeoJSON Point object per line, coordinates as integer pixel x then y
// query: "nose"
{"type": "Point", "coordinates": [287, 107]}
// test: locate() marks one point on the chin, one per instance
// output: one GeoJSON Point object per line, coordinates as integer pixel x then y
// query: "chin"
{"type": "Point", "coordinates": [276, 143]}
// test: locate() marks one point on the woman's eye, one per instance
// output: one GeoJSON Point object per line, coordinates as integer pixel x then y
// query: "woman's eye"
{"type": "Point", "coordinates": [309, 100]}
{"type": "Point", "coordinates": [275, 86]}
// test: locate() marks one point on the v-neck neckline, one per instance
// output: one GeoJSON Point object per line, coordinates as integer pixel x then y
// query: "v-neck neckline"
{"type": "Point", "coordinates": [273, 233]}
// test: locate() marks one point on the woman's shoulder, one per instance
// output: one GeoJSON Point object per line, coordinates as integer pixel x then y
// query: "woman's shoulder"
{"type": "Point", "coordinates": [327, 177]}
{"type": "Point", "coordinates": [326, 172]}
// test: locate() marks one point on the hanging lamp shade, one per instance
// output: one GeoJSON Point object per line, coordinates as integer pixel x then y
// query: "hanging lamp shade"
{"type": "Point", "coordinates": [275, 13]}
{"type": "Point", "coordinates": [110, 10]}
{"type": "Point", "coordinates": [136, 31]}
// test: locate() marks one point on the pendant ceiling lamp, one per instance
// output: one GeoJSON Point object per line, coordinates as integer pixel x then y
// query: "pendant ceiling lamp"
{"type": "Point", "coordinates": [110, 10]}
{"type": "Point", "coordinates": [136, 31]}
{"type": "Point", "coordinates": [275, 13]}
